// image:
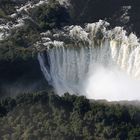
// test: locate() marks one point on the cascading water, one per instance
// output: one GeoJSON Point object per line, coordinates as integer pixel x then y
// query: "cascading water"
{"type": "Point", "coordinates": [94, 61]}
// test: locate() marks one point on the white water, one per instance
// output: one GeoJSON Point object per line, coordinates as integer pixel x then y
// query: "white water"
{"type": "Point", "coordinates": [98, 63]}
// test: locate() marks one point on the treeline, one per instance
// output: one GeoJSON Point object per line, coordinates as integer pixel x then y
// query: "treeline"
{"type": "Point", "coordinates": [47, 116]}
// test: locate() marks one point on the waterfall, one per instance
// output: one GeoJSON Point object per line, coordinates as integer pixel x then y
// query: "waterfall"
{"type": "Point", "coordinates": [92, 61]}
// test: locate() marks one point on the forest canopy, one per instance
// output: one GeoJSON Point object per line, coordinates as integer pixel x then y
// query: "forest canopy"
{"type": "Point", "coordinates": [47, 116]}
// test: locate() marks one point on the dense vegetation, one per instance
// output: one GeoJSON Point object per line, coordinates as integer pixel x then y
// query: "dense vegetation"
{"type": "Point", "coordinates": [46, 116]}
{"type": "Point", "coordinates": [20, 42]}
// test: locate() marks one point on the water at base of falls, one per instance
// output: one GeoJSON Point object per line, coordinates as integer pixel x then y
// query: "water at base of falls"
{"type": "Point", "coordinates": [108, 69]}
{"type": "Point", "coordinates": [112, 85]}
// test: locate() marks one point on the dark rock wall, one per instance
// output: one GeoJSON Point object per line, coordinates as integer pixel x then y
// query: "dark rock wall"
{"type": "Point", "coordinates": [118, 12]}
{"type": "Point", "coordinates": [20, 76]}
